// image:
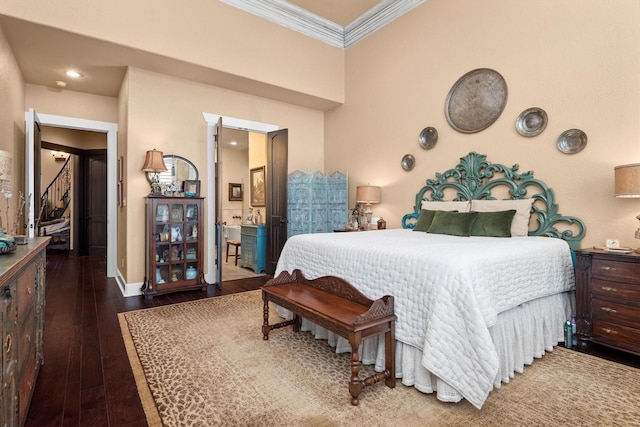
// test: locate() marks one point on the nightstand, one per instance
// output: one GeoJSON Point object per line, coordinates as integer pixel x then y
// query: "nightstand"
{"type": "Point", "coordinates": [608, 299]}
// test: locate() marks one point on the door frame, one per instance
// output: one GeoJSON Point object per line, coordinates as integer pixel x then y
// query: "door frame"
{"type": "Point", "coordinates": [227, 122]}
{"type": "Point", "coordinates": [111, 129]}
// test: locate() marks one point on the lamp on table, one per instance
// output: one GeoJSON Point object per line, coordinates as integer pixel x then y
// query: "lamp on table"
{"type": "Point", "coordinates": [627, 185]}
{"type": "Point", "coordinates": [154, 163]}
{"type": "Point", "coordinates": [367, 194]}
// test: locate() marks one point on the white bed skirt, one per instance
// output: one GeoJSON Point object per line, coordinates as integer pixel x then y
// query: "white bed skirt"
{"type": "Point", "coordinates": [520, 335]}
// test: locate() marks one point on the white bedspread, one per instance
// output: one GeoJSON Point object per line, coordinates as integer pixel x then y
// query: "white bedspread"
{"type": "Point", "coordinates": [448, 290]}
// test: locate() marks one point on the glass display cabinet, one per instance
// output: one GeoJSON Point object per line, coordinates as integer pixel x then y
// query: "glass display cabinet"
{"type": "Point", "coordinates": [174, 246]}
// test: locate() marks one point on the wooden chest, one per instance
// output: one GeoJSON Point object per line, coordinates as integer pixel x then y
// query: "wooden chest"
{"type": "Point", "coordinates": [608, 299]}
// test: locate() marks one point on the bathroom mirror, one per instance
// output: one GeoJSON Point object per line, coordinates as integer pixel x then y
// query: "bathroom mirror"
{"type": "Point", "coordinates": [178, 170]}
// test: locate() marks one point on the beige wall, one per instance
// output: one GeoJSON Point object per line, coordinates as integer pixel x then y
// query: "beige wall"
{"type": "Point", "coordinates": [577, 59]}
{"type": "Point", "coordinates": [123, 132]}
{"type": "Point", "coordinates": [11, 121]}
{"type": "Point", "coordinates": [235, 170]}
{"type": "Point", "coordinates": [71, 104]}
{"type": "Point", "coordinates": [211, 34]}
{"type": "Point", "coordinates": [166, 113]}
{"type": "Point", "coordinates": [84, 140]}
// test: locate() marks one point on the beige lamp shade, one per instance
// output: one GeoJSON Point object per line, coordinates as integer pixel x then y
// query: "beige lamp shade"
{"type": "Point", "coordinates": [627, 180]}
{"type": "Point", "coordinates": [154, 162]}
{"type": "Point", "coordinates": [368, 194]}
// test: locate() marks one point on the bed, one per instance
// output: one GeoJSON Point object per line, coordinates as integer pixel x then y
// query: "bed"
{"type": "Point", "coordinates": [472, 310]}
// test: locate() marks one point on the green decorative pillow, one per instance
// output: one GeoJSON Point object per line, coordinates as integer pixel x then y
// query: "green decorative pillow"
{"type": "Point", "coordinates": [493, 224]}
{"type": "Point", "coordinates": [424, 220]}
{"type": "Point", "coordinates": [453, 223]}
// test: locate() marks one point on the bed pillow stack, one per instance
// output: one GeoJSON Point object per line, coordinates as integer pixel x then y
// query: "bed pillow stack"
{"type": "Point", "coordinates": [429, 209]}
{"type": "Point", "coordinates": [492, 218]}
{"type": "Point", "coordinates": [520, 223]}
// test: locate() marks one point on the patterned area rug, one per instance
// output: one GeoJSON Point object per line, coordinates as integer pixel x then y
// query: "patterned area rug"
{"type": "Point", "coordinates": [204, 363]}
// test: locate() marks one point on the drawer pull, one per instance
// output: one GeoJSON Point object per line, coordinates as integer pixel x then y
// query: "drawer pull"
{"type": "Point", "coordinates": [609, 289]}
{"type": "Point", "coordinates": [610, 331]}
{"type": "Point", "coordinates": [8, 344]}
{"type": "Point", "coordinates": [608, 310]}
{"type": "Point", "coordinates": [607, 268]}
{"type": "Point", "coordinates": [29, 291]}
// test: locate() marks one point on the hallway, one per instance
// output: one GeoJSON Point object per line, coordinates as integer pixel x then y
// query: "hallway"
{"type": "Point", "coordinates": [86, 378]}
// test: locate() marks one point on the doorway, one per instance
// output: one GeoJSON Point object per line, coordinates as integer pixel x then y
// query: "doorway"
{"type": "Point", "coordinates": [216, 126]}
{"type": "Point", "coordinates": [111, 130]}
{"type": "Point", "coordinates": [74, 191]}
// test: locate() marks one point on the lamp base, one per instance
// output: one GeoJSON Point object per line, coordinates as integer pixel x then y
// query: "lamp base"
{"type": "Point", "coordinates": [156, 190]}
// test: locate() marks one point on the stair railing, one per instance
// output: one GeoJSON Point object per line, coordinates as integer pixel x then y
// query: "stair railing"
{"type": "Point", "coordinates": [56, 197]}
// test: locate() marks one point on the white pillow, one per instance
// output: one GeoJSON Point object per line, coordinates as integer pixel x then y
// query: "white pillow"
{"type": "Point", "coordinates": [446, 206]}
{"type": "Point", "coordinates": [520, 224]}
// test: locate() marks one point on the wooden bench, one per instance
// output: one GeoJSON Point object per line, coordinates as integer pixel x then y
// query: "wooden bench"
{"type": "Point", "coordinates": [336, 305]}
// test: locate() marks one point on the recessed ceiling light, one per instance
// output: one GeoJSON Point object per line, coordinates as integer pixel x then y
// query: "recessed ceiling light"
{"type": "Point", "coordinates": [60, 83]}
{"type": "Point", "coordinates": [233, 143]}
{"type": "Point", "coordinates": [73, 73]}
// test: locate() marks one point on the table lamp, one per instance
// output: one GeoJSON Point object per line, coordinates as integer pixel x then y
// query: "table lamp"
{"type": "Point", "coordinates": [367, 194]}
{"type": "Point", "coordinates": [154, 163]}
{"type": "Point", "coordinates": [627, 185]}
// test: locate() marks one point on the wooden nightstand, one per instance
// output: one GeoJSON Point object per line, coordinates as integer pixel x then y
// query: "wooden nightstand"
{"type": "Point", "coordinates": [608, 299]}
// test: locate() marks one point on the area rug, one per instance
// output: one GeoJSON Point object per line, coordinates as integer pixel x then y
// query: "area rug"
{"type": "Point", "coordinates": [204, 363]}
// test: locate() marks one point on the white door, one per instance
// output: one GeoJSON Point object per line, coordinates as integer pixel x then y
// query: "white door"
{"type": "Point", "coordinates": [32, 171]}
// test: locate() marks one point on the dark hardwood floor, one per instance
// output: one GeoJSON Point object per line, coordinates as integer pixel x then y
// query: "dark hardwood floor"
{"type": "Point", "coordinates": [86, 379]}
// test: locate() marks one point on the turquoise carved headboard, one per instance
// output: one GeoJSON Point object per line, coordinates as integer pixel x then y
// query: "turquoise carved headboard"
{"type": "Point", "coordinates": [476, 178]}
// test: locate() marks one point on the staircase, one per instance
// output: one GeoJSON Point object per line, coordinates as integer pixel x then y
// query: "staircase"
{"type": "Point", "coordinates": [55, 199]}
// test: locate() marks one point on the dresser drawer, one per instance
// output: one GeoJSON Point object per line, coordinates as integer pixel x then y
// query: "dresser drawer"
{"type": "Point", "coordinates": [622, 337]}
{"type": "Point", "coordinates": [616, 270]}
{"type": "Point", "coordinates": [27, 344]}
{"type": "Point", "coordinates": [629, 292]}
{"type": "Point", "coordinates": [615, 312]}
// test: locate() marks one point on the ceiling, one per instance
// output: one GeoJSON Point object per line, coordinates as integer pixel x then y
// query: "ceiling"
{"type": "Point", "coordinates": [43, 53]}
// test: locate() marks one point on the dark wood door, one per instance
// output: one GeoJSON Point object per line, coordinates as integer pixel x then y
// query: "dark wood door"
{"type": "Point", "coordinates": [276, 216]}
{"type": "Point", "coordinates": [94, 217]}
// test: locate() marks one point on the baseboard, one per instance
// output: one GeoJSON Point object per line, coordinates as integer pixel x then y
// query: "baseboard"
{"type": "Point", "coordinates": [128, 289]}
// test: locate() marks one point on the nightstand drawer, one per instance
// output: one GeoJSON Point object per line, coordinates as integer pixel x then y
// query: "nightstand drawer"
{"type": "Point", "coordinates": [616, 335]}
{"type": "Point", "coordinates": [624, 291]}
{"type": "Point", "coordinates": [616, 313]}
{"type": "Point", "coordinates": [616, 270]}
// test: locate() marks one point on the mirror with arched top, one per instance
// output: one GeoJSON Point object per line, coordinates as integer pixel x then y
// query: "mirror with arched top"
{"type": "Point", "coordinates": [178, 170]}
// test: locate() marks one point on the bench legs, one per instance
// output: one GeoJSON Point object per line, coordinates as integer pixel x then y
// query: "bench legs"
{"type": "Point", "coordinates": [356, 385]}
{"type": "Point", "coordinates": [266, 328]}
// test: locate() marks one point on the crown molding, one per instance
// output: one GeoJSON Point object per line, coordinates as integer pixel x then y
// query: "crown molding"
{"type": "Point", "coordinates": [375, 18]}
{"type": "Point", "coordinates": [301, 20]}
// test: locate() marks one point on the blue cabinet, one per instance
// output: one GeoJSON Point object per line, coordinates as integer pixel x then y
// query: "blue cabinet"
{"type": "Point", "coordinates": [253, 240]}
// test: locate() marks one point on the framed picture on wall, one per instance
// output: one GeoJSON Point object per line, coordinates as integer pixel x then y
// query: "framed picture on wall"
{"type": "Point", "coordinates": [258, 192]}
{"type": "Point", "coordinates": [235, 192]}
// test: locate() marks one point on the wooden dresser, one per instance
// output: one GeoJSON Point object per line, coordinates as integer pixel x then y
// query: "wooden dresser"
{"type": "Point", "coordinates": [608, 299]}
{"type": "Point", "coordinates": [22, 282]}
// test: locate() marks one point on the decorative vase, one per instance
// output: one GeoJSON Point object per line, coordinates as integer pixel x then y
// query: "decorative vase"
{"type": "Point", "coordinates": [191, 273]}
{"type": "Point", "coordinates": [159, 278]}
